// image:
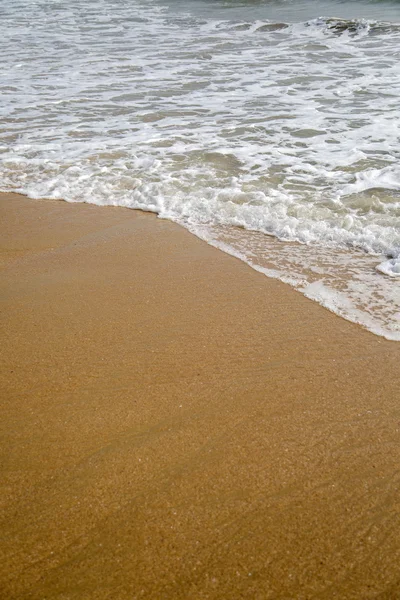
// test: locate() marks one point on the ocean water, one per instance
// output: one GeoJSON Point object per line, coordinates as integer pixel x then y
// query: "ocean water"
{"type": "Point", "coordinates": [269, 128]}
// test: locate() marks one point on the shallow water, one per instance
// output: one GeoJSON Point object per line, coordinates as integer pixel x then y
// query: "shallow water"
{"type": "Point", "coordinates": [247, 122]}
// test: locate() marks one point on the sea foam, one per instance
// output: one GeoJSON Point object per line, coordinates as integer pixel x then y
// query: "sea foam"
{"type": "Point", "coordinates": [275, 140]}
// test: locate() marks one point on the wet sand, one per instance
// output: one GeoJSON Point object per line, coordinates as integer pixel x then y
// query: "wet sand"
{"type": "Point", "coordinates": [175, 425]}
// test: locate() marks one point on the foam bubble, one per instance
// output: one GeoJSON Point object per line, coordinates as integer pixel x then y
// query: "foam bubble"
{"type": "Point", "coordinates": [390, 267]}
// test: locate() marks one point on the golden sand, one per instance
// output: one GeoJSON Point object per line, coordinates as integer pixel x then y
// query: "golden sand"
{"type": "Point", "coordinates": [175, 425]}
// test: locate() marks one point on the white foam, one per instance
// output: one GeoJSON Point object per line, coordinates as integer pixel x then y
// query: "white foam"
{"type": "Point", "coordinates": [390, 267]}
{"type": "Point", "coordinates": [387, 178]}
{"type": "Point", "coordinates": [341, 305]}
{"type": "Point", "coordinates": [286, 129]}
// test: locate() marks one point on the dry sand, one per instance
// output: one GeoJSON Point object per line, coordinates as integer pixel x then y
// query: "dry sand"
{"type": "Point", "coordinates": [175, 425]}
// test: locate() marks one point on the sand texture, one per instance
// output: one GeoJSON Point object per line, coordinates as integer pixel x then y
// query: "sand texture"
{"type": "Point", "coordinates": [175, 425]}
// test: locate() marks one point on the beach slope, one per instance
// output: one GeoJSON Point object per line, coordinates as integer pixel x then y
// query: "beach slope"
{"type": "Point", "coordinates": [175, 425]}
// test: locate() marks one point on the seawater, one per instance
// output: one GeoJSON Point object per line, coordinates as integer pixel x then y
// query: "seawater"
{"type": "Point", "coordinates": [268, 128]}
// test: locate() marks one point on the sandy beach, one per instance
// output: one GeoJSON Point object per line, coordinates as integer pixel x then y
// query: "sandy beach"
{"type": "Point", "coordinates": [175, 425]}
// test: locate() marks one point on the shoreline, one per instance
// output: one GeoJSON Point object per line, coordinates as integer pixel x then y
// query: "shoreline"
{"type": "Point", "coordinates": [177, 425]}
